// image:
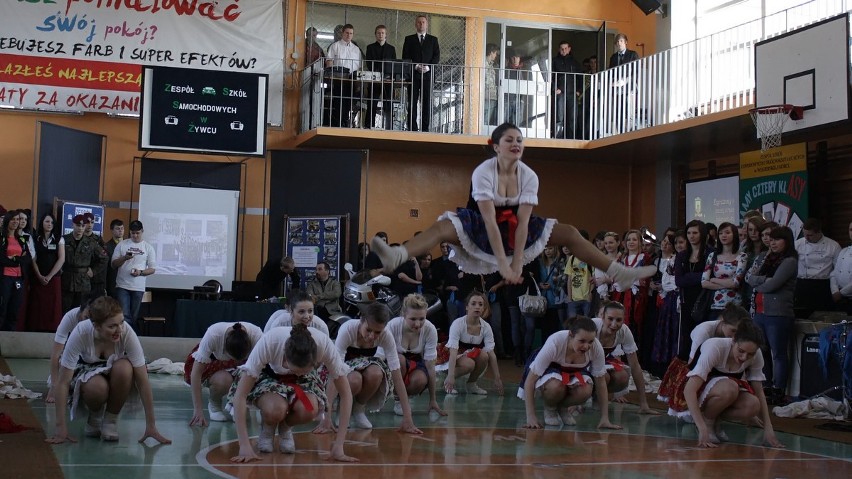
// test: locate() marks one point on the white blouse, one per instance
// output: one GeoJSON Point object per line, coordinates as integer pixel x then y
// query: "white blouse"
{"type": "Point", "coordinates": [458, 333]}
{"type": "Point", "coordinates": [81, 346]}
{"type": "Point", "coordinates": [68, 323]}
{"type": "Point", "coordinates": [701, 333]}
{"type": "Point", "coordinates": [347, 336]}
{"type": "Point", "coordinates": [213, 342]}
{"type": "Point", "coordinates": [714, 355]}
{"type": "Point", "coordinates": [427, 345]}
{"type": "Point", "coordinates": [270, 350]}
{"type": "Point", "coordinates": [485, 182]}
{"type": "Point", "coordinates": [555, 350]}
{"type": "Point", "coordinates": [623, 337]}
{"type": "Point", "coordinates": [284, 318]}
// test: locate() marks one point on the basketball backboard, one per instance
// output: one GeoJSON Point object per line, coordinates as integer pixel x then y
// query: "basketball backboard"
{"type": "Point", "coordinates": [807, 67]}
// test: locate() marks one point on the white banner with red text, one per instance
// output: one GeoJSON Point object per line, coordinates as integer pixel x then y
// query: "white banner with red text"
{"type": "Point", "coordinates": [87, 55]}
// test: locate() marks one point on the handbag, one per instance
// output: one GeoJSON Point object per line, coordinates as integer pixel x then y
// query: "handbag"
{"type": "Point", "coordinates": [701, 308]}
{"type": "Point", "coordinates": [533, 305]}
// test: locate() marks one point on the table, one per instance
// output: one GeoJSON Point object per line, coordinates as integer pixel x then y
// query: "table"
{"type": "Point", "coordinates": [192, 318]}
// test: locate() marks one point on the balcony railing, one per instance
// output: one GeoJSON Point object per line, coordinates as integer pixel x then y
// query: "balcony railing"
{"type": "Point", "coordinates": [708, 75]}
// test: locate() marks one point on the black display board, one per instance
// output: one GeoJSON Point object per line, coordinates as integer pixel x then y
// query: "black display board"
{"type": "Point", "coordinates": [203, 111]}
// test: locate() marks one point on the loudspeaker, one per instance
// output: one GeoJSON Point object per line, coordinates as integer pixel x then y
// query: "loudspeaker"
{"type": "Point", "coordinates": [812, 382]}
{"type": "Point", "coordinates": [647, 6]}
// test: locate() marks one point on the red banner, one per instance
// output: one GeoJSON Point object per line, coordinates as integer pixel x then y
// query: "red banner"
{"type": "Point", "coordinates": [68, 72]}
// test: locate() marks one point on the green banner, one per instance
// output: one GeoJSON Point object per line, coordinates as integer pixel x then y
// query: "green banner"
{"type": "Point", "coordinates": [783, 198]}
{"type": "Point", "coordinates": [775, 182]}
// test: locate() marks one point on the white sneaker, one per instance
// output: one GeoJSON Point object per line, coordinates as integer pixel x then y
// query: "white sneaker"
{"type": "Point", "coordinates": [286, 443]}
{"type": "Point", "coordinates": [392, 256]}
{"type": "Point", "coordinates": [264, 439]}
{"type": "Point", "coordinates": [359, 417]}
{"type": "Point", "coordinates": [217, 413]}
{"type": "Point", "coordinates": [397, 408]}
{"type": "Point", "coordinates": [93, 424]}
{"type": "Point", "coordinates": [567, 416]}
{"type": "Point", "coordinates": [473, 388]}
{"type": "Point", "coordinates": [109, 428]}
{"type": "Point", "coordinates": [625, 276]}
{"type": "Point", "coordinates": [551, 417]}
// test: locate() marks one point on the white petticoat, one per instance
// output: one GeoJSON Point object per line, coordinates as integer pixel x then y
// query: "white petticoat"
{"type": "Point", "coordinates": [471, 259]}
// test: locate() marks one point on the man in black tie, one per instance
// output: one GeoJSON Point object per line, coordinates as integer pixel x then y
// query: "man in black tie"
{"type": "Point", "coordinates": [379, 59]}
{"type": "Point", "coordinates": [423, 51]}
{"type": "Point", "coordinates": [624, 95]}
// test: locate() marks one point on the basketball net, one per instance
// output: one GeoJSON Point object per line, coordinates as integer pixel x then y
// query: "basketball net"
{"type": "Point", "coordinates": [770, 121]}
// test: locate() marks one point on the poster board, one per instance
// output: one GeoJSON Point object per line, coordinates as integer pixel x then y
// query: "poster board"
{"type": "Point", "coordinates": [313, 239]}
{"type": "Point", "coordinates": [69, 209]}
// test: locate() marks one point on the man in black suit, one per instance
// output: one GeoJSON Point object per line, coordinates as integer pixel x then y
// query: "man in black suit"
{"type": "Point", "coordinates": [379, 59]}
{"type": "Point", "coordinates": [565, 90]}
{"type": "Point", "coordinates": [423, 51]}
{"type": "Point", "coordinates": [624, 91]}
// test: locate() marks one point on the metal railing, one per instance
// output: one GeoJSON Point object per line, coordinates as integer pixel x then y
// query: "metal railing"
{"type": "Point", "coordinates": [708, 75]}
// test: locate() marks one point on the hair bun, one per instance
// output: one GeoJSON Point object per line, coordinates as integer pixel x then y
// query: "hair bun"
{"type": "Point", "coordinates": [238, 326]}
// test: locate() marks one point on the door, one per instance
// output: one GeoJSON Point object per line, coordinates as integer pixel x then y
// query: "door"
{"type": "Point", "coordinates": [524, 80]}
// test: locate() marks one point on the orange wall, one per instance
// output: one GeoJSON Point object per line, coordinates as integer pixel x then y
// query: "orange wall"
{"type": "Point", "coordinates": [397, 181]}
{"type": "Point", "coordinates": [587, 195]}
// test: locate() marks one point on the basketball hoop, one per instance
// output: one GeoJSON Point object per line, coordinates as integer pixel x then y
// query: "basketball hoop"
{"type": "Point", "coordinates": [770, 121]}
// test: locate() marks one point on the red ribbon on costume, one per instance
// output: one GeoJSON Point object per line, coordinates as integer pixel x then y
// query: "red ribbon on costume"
{"type": "Point", "coordinates": [508, 216]}
{"type": "Point", "coordinates": [410, 366]}
{"type": "Point", "coordinates": [572, 373]}
{"type": "Point", "coordinates": [290, 380]}
{"type": "Point", "coordinates": [617, 365]}
{"type": "Point", "coordinates": [473, 353]}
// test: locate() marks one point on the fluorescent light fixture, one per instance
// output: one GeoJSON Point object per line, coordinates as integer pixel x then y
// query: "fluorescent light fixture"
{"type": "Point", "coordinates": [325, 36]}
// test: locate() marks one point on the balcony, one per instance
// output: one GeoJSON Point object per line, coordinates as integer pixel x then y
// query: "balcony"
{"type": "Point", "coordinates": [375, 104]}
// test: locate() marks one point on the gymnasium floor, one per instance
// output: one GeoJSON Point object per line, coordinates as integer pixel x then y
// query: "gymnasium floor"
{"type": "Point", "coordinates": [481, 436]}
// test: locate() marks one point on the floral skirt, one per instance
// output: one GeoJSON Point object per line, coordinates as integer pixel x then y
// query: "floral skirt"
{"type": "Point", "coordinates": [82, 374]}
{"type": "Point", "coordinates": [291, 391]}
{"type": "Point", "coordinates": [673, 379]}
{"type": "Point", "coordinates": [476, 256]}
{"type": "Point", "coordinates": [385, 390]}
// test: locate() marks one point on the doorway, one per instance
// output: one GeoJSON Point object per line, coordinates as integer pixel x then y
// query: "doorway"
{"type": "Point", "coordinates": [522, 72]}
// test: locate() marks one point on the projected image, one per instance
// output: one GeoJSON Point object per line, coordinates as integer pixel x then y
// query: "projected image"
{"type": "Point", "coordinates": [713, 201]}
{"type": "Point", "coordinates": [190, 244]}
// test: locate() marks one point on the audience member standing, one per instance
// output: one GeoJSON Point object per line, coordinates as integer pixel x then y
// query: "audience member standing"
{"type": "Point", "coordinates": [774, 282]}
{"type": "Point", "coordinates": [345, 57]}
{"type": "Point", "coordinates": [14, 257]}
{"type": "Point", "coordinates": [841, 278]}
{"type": "Point", "coordinates": [99, 273]}
{"type": "Point", "coordinates": [423, 51]}
{"type": "Point", "coordinates": [489, 74]}
{"type": "Point", "coordinates": [624, 99]}
{"type": "Point", "coordinates": [134, 259]}
{"type": "Point", "coordinates": [117, 229]}
{"type": "Point", "coordinates": [817, 254]}
{"type": "Point", "coordinates": [82, 259]}
{"type": "Point", "coordinates": [380, 56]}
{"type": "Point", "coordinates": [313, 50]}
{"type": "Point", "coordinates": [565, 89]}
{"type": "Point", "coordinates": [45, 298]}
